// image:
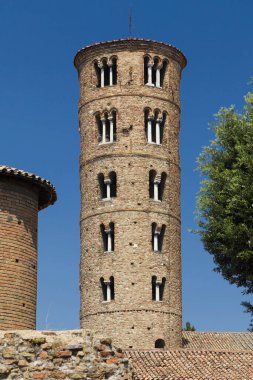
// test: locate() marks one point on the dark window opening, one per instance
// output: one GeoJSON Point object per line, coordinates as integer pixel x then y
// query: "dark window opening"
{"type": "Point", "coordinates": [162, 72]}
{"type": "Point", "coordinates": [159, 343]}
{"type": "Point", "coordinates": [146, 61]}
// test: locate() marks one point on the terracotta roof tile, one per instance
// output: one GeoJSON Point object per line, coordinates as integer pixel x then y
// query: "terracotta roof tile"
{"type": "Point", "coordinates": [47, 193]}
{"type": "Point", "coordinates": [196, 340]}
{"type": "Point", "coordinates": [187, 364]}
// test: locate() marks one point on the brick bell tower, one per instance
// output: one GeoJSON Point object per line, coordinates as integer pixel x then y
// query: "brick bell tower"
{"type": "Point", "coordinates": [22, 195]}
{"type": "Point", "coordinates": [129, 119]}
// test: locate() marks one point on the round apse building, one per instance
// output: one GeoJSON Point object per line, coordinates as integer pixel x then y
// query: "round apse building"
{"type": "Point", "coordinates": [129, 121]}
{"type": "Point", "coordinates": [22, 195]}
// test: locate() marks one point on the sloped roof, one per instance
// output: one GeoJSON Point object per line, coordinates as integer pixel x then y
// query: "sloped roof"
{"type": "Point", "coordinates": [47, 193]}
{"type": "Point", "coordinates": [196, 340]}
{"type": "Point", "coordinates": [187, 364]}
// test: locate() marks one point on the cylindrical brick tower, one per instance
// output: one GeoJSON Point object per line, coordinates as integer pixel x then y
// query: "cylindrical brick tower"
{"type": "Point", "coordinates": [22, 195]}
{"type": "Point", "coordinates": [129, 120]}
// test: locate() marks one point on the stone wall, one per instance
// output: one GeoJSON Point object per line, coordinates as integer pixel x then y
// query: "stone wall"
{"type": "Point", "coordinates": [132, 319]}
{"type": "Point", "coordinates": [60, 355]}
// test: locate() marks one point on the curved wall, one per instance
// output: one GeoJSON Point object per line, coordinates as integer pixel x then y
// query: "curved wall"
{"type": "Point", "coordinates": [132, 319]}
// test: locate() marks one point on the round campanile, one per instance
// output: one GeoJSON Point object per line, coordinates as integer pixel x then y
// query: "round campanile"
{"type": "Point", "coordinates": [129, 121]}
{"type": "Point", "coordinates": [22, 195]}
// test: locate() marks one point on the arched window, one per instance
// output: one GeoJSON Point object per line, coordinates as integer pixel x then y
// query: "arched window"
{"type": "Point", "coordinates": [154, 126]}
{"type": "Point", "coordinates": [157, 288]}
{"type": "Point", "coordinates": [107, 233]}
{"type": "Point", "coordinates": [163, 71]}
{"type": "Point", "coordinates": [108, 185]}
{"type": "Point", "coordinates": [157, 236]}
{"type": "Point", "coordinates": [106, 72]}
{"type": "Point", "coordinates": [106, 124]}
{"type": "Point", "coordinates": [159, 343]}
{"type": "Point", "coordinates": [154, 71]}
{"type": "Point", "coordinates": [156, 185]}
{"type": "Point", "coordinates": [107, 289]}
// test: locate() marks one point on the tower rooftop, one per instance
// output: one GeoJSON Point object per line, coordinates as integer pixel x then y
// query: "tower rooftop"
{"type": "Point", "coordinates": [47, 193]}
{"type": "Point", "coordinates": [130, 43]}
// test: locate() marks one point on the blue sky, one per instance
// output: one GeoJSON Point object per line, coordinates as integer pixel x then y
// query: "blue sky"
{"type": "Point", "coordinates": [39, 127]}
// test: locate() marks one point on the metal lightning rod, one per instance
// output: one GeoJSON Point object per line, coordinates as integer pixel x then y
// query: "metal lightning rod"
{"type": "Point", "coordinates": [130, 22]}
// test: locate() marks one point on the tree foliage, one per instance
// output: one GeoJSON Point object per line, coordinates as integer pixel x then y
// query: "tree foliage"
{"type": "Point", "coordinates": [189, 327]}
{"type": "Point", "coordinates": [225, 199]}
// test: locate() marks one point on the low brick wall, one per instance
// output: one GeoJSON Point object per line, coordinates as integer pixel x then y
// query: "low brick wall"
{"type": "Point", "coordinates": [60, 355]}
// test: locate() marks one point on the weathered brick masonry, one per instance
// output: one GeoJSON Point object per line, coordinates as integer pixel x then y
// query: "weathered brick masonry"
{"type": "Point", "coordinates": [132, 319]}
{"type": "Point", "coordinates": [22, 195]}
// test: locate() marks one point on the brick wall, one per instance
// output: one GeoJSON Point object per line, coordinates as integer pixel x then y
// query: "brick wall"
{"type": "Point", "coordinates": [18, 254]}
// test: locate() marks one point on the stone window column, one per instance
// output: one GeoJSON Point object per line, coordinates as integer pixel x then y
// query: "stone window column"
{"type": "Point", "coordinates": [109, 240]}
{"type": "Point", "coordinates": [111, 128]}
{"type": "Point", "coordinates": [157, 234]}
{"type": "Point", "coordinates": [158, 291]}
{"type": "Point", "coordinates": [158, 76]}
{"type": "Point", "coordinates": [107, 182]}
{"type": "Point", "coordinates": [103, 140]}
{"type": "Point", "coordinates": [149, 132]}
{"type": "Point", "coordinates": [157, 181]}
{"type": "Point", "coordinates": [102, 73]}
{"type": "Point", "coordinates": [108, 291]}
{"type": "Point", "coordinates": [110, 64]}
{"type": "Point", "coordinates": [158, 131]}
{"type": "Point", "coordinates": [150, 65]}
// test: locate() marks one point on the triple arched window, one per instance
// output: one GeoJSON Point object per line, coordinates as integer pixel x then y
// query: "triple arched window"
{"type": "Point", "coordinates": [154, 122]}
{"type": "Point", "coordinates": [106, 124]}
{"type": "Point", "coordinates": [106, 71]}
{"type": "Point", "coordinates": [154, 71]}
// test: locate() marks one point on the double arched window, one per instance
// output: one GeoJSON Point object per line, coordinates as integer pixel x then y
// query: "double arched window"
{"type": "Point", "coordinates": [156, 185]}
{"type": "Point", "coordinates": [157, 288]}
{"type": "Point", "coordinates": [107, 289]}
{"type": "Point", "coordinates": [157, 236]}
{"type": "Point", "coordinates": [107, 232]}
{"type": "Point", "coordinates": [108, 185]}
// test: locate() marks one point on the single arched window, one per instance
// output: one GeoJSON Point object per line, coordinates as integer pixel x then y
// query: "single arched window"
{"type": "Point", "coordinates": [159, 343]}
{"type": "Point", "coordinates": [156, 185]}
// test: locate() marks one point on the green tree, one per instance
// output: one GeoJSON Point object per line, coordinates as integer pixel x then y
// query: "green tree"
{"type": "Point", "coordinates": [189, 327]}
{"type": "Point", "coordinates": [225, 199]}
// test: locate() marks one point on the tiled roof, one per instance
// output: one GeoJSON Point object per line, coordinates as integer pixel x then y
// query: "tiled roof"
{"type": "Point", "coordinates": [129, 41]}
{"type": "Point", "coordinates": [187, 364]}
{"type": "Point", "coordinates": [196, 340]}
{"type": "Point", "coordinates": [47, 193]}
